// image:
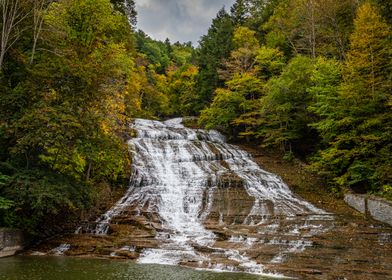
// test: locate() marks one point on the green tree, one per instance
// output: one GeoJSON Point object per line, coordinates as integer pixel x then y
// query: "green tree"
{"type": "Point", "coordinates": [233, 108]}
{"type": "Point", "coordinates": [326, 80]}
{"type": "Point", "coordinates": [242, 58]}
{"type": "Point", "coordinates": [358, 129]}
{"type": "Point", "coordinates": [127, 7]}
{"type": "Point", "coordinates": [311, 27]}
{"type": "Point", "coordinates": [214, 47]}
{"type": "Point", "coordinates": [182, 89]}
{"type": "Point", "coordinates": [269, 62]}
{"type": "Point", "coordinates": [284, 117]}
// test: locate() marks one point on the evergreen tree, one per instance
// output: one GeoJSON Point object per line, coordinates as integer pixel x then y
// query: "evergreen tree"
{"type": "Point", "coordinates": [214, 47]}
{"type": "Point", "coordinates": [240, 12]}
{"type": "Point", "coordinates": [126, 7]}
{"type": "Point", "coordinates": [358, 129]}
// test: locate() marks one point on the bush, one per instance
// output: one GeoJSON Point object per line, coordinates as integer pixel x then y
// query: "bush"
{"type": "Point", "coordinates": [34, 200]}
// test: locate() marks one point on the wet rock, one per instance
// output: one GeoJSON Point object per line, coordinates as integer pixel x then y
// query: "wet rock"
{"type": "Point", "coordinates": [230, 205]}
{"type": "Point", "coordinates": [221, 235]}
{"type": "Point", "coordinates": [127, 254]}
{"type": "Point", "coordinates": [230, 180]}
{"type": "Point", "coordinates": [204, 249]}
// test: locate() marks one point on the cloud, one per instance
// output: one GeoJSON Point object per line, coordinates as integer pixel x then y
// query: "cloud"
{"type": "Point", "coordinates": [178, 20]}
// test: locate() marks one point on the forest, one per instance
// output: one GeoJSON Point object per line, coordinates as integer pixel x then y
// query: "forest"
{"type": "Point", "coordinates": [308, 78]}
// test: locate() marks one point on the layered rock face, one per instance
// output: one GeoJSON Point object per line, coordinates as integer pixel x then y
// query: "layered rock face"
{"type": "Point", "coordinates": [207, 204]}
{"type": "Point", "coordinates": [195, 200]}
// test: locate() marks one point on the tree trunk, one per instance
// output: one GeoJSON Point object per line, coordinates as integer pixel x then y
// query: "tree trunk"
{"type": "Point", "coordinates": [12, 15]}
{"type": "Point", "coordinates": [88, 172]}
{"type": "Point", "coordinates": [39, 9]}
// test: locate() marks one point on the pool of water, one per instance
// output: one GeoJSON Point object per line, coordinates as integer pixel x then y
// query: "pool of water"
{"type": "Point", "coordinates": [64, 268]}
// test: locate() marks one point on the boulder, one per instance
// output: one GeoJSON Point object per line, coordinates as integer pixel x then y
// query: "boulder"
{"type": "Point", "coordinates": [380, 210]}
{"type": "Point", "coordinates": [358, 202]}
{"type": "Point", "coordinates": [11, 241]}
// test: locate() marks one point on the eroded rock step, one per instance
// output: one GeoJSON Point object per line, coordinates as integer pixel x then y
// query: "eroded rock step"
{"type": "Point", "coordinates": [196, 201]}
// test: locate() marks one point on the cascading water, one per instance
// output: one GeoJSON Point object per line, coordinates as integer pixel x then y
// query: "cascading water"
{"type": "Point", "coordinates": [181, 175]}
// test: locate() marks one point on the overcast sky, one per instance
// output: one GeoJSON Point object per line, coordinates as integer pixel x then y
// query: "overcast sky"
{"type": "Point", "coordinates": [178, 20]}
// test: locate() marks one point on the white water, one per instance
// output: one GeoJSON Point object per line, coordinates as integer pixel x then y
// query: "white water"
{"type": "Point", "coordinates": [177, 170]}
{"type": "Point", "coordinates": [60, 250]}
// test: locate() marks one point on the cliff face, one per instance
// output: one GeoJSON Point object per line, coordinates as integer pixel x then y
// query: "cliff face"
{"type": "Point", "coordinates": [11, 241]}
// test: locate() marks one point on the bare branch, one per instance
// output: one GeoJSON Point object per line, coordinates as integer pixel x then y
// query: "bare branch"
{"type": "Point", "coordinates": [13, 14]}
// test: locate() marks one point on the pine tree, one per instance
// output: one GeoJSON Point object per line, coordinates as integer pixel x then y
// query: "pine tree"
{"type": "Point", "coordinates": [214, 47]}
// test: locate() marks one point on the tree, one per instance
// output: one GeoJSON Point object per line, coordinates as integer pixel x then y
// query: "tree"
{"type": "Point", "coordinates": [214, 47]}
{"type": "Point", "coordinates": [240, 12]}
{"type": "Point", "coordinates": [181, 90]}
{"type": "Point", "coordinates": [126, 7]}
{"type": "Point", "coordinates": [358, 128]}
{"type": "Point", "coordinates": [284, 117]}
{"type": "Point", "coordinates": [233, 107]}
{"type": "Point", "coordinates": [368, 62]}
{"type": "Point", "coordinates": [326, 80]}
{"type": "Point", "coordinates": [223, 110]}
{"type": "Point", "coordinates": [246, 71]}
{"type": "Point", "coordinates": [40, 8]}
{"type": "Point", "coordinates": [64, 116]}
{"type": "Point", "coordinates": [242, 58]}
{"type": "Point", "coordinates": [269, 62]}
{"type": "Point", "coordinates": [13, 12]}
{"type": "Point", "coordinates": [312, 27]}
{"type": "Point", "coordinates": [76, 111]}
{"type": "Point", "coordinates": [156, 52]}
{"type": "Point", "coordinates": [253, 14]}
{"type": "Point", "coordinates": [385, 8]}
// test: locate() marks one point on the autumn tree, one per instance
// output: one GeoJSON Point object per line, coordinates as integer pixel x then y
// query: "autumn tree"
{"type": "Point", "coordinates": [312, 27]}
{"type": "Point", "coordinates": [242, 58]}
{"type": "Point", "coordinates": [357, 128]}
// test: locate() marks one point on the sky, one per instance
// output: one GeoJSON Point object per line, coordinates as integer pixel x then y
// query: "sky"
{"type": "Point", "coordinates": [178, 20]}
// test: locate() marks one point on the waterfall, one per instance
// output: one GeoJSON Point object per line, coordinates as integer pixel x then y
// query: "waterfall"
{"type": "Point", "coordinates": [196, 183]}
